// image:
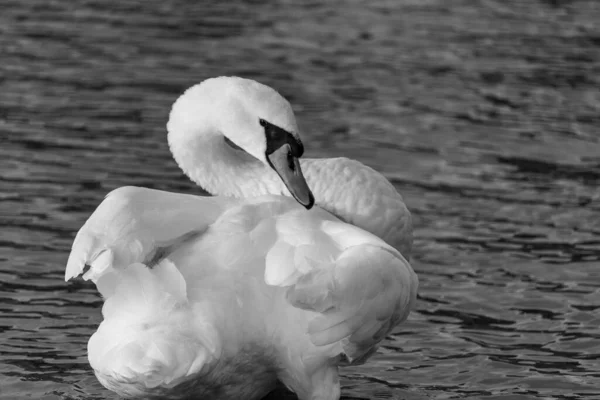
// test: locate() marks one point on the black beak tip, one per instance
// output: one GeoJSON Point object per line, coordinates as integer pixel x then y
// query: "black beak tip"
{"type": "Point", "coordinates": [311, 201]}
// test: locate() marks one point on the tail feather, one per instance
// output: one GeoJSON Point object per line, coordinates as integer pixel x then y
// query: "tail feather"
{"type": "Point", "coordinates": [146, 292]}
{"type": "Point", "coordinates": [149, 334]}
{"type": "Point", "coordinates": [80, 254]}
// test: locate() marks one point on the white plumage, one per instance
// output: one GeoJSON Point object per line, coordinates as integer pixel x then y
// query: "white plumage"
{"type": "Point", "coordinates": [220, 297]}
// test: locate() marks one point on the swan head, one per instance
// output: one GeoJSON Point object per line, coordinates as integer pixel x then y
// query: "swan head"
{"type": "Point", "coordinates": [252, 118]}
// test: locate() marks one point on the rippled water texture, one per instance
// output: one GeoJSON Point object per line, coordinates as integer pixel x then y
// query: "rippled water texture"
{"type": "Point", "coordinates": [484, 114]}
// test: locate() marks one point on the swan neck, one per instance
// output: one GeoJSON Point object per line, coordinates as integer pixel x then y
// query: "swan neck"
{"type": "Point", "coordinates": [206, 158]}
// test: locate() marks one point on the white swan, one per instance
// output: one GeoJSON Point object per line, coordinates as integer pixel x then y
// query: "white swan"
{"type": "Point", "coordinates": [221, 297]}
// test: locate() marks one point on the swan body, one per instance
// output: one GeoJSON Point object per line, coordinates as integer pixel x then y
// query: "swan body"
{"type": "Point", "coordinates": [222, 297]}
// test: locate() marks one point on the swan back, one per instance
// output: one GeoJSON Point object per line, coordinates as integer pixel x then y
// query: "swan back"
{"type": "Point", "coordinates": [361, 196]}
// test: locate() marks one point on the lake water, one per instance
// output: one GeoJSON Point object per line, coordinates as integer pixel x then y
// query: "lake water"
{"type": "Point", "coordinates": [484, 114]}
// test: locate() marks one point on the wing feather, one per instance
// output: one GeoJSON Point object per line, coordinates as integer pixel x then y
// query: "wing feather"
{"type": "Point", "coordinates": [132, 222]}
{"type": "Point", "coordinates": [360, 286]}
{"type": "Point", "coordinates": [150, 333]}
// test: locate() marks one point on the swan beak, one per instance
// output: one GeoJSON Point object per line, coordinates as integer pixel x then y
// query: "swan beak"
{"type": "Point", "coordinates": [288, 169]}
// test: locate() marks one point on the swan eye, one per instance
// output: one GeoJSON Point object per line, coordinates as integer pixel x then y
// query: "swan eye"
{"type": "Point", "coordinates": [233, 145]}
{"type": "Point", "coordinates": [262, 122]}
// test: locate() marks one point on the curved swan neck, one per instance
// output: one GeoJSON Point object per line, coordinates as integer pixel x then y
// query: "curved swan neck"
{"type": "Point", "coordinates": [217, 108]}
{"type": "Point", "coordinates": [209, 161]}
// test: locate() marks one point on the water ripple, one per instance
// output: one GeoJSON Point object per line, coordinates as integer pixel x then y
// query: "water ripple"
{"type": "Point", "coordinates": [484, 115]}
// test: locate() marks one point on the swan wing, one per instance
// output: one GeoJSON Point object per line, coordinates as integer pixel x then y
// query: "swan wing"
{"type": "Point", "coordinates": [135, 224]}
{"type": "Point", "coordinates": [359, 287]}
{"type": "Point", "coordinates": [152, 334]}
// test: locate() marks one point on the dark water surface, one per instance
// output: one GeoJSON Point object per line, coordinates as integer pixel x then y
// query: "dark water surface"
{"type": "Point", "coordinates": [484, 114]}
